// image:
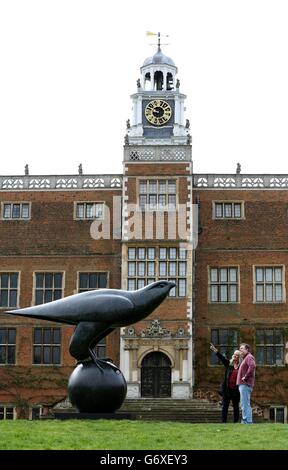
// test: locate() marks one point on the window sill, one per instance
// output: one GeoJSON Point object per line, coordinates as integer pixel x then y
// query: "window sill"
{"type": "Point", "coordinates": [10, 308]}
{"type": "Point", "coordinates": [229, 218]}
{"type": "Point", "coordinates": [88, 219]}
{"type": "Point", "coordinates": [216, 365]}
{"type": "Point", "coordinates": [282, 302]}
{"type": "Point", "coordinates": [162, 210]}
{"type": "Point", "coordinates": [177, 298]}
{"type": "Point", "coordinates": [271, 365]}
{"type": "Point", "coordinates": [17, 220]}
{"type": "Point", "coordinates": [47, 365]}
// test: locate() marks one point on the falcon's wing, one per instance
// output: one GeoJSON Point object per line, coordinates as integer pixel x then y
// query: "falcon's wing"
{"type": "Point", "coordinates": [87, 306]}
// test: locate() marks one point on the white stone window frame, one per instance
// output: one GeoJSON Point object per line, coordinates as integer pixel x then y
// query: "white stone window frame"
{"type": "Point", "coordinates": [18, 286]}
{"type": "Point", "coordinates": [101, 346]}
{"type": "Point", "coordinates": [91, 271]}
{"type": "Point", "coordinates": [48, 271]}
{"type": "Point", "coordinates": [273, 283]}
{"type": "Point", "coordinates": [273, 345]}
{"type": "Point", "coordinates": [233, 203]}
{"type": "Point", "coordinates": [7, 344]}
{"type": "Point", "coordinates": [157, 194]}
{"type": "Point", "coordinates": [276, 407]}
{"type": "Point", "coordinates": [5, 411]}
{"type": "Point", "coordinates": [85, 203]}
{"type": "Point", "coordinates": [145, 279]}
{"type": "Point", "coordinates": [35, 407]}
{"type": "Point", "coordinates": [12, 203]}
{"type": "Point", "coordinates": [220, 346]}
{"type": "Point", "coordinates": [220, 283]}
{"type": "Point", "coordinates": [42, 344]}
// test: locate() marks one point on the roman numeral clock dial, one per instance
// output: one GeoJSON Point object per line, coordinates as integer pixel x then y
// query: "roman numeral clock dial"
{"type": "Point", "coordinates": [158, 112]}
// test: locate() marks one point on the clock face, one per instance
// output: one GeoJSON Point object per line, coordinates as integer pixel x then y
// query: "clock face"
{"type": "Point", "coordinates": [158, 112]}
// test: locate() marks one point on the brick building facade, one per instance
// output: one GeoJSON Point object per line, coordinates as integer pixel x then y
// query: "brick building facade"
{"type": "Point", "coordinates": [241, 279]}
{"type": "Point", "coordinates": [221, 238]}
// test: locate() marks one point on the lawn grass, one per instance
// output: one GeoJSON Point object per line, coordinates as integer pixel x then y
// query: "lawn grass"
{"type": "Point", "coordinates": [139, 435]}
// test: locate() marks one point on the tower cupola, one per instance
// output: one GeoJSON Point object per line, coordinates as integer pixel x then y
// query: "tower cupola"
{"type": "Point", "coordinates": [158, 105]}
{"type": "Point", "coordinates": [158, 72]}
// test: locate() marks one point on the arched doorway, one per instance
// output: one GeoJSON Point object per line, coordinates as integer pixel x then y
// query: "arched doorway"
{"type": "Point", "coordinates": [156, 375]}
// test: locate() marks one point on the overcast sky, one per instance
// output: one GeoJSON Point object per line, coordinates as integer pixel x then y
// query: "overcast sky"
{"type": "Point", "coordinates": [68, 68]}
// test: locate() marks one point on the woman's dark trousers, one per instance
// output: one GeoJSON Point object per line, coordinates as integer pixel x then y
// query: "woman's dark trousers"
{"type": "Point", "coordinates": [225, 405]}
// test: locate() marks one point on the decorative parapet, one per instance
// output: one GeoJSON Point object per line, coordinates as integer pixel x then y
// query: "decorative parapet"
{"type": "Point", "coordinates": [90, 182]}
{"type": "Point", "coordinates": [63, 182]}
{"type": "Point", "coordinates": [157, 153]}
{"type": "Point", "coordinates": [240, 181]}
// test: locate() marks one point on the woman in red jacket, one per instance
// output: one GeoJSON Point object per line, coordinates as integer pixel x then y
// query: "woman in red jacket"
{"type": "Point", "coordinates": [229, 388]}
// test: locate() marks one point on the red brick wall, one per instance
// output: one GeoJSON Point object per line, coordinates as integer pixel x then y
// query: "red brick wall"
{"type": "Point", "coordinates": [263, 210]}
{"type": "Point", "coordinates": [156, 169]}
{"type": "Point", "coordinates": [53, 241]}
{"type": "Point", "coordinates": [52, 228]}
{"type": "Point", "coordinates": [259, 239]}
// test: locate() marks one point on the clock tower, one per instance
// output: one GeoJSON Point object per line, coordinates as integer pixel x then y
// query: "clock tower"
{"type": "Point", "coordinates": [158, 105]}
{"type": "Point", "coordinates": [156, 355]}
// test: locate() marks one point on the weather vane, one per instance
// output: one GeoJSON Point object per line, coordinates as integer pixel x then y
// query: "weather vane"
{"type": "Point", "coordinates": [150, 33]}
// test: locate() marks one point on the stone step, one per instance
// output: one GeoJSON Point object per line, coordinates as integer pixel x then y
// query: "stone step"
{"type": "Point", "coordinates": [169, 409]}
{"type": "Point", "coordinates": [157, 405]}
{"type": "Point", "coordinates": [168, 401]}
{"type": "Point", "coordinates": [178, 405]}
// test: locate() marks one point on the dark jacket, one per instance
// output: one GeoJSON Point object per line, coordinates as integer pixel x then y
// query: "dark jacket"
{"type": "Point", "coordinates": [225, 391]}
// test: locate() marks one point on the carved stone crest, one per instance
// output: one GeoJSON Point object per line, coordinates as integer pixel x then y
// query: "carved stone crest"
{"type": "Point", "coordinates": [155, 330]}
